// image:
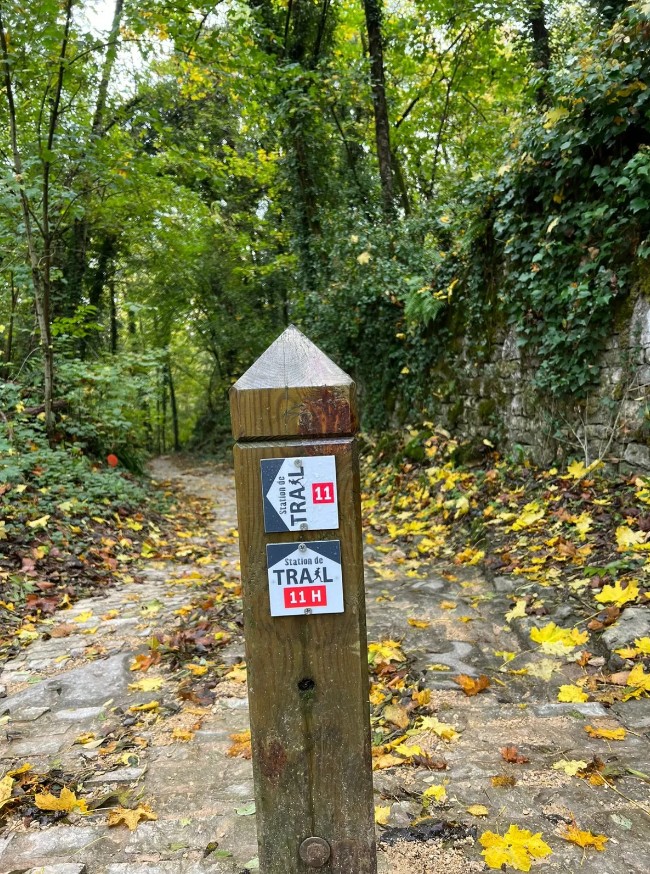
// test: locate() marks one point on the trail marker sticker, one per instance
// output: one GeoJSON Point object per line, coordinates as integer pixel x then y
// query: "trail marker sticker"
{"type": "Point", "coordinates": [305, 578]}
{"type": "Point", "coordinates": [300, 493]}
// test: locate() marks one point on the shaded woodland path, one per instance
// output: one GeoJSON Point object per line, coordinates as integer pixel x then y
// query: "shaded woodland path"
{"type": "Point", "coordinates": [79, 708]}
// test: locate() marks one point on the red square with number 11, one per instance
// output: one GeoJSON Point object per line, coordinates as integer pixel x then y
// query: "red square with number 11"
{"type": "Point", "coordinates": [322, 493]}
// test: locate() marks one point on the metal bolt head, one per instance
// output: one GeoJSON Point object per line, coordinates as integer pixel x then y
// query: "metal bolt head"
{"type": "Point", "coordinates": [302, 547]}
{"type": "Point", "coordinates": [315, 852]}
{"type": "Point", "coordinates": [297, 462]}
{"type": "Point", "coordinates": [303, 526]}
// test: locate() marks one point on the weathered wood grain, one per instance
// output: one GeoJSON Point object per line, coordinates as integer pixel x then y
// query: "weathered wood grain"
{"type": "Point", "coordinates": [293, 390]}
{"type": "Point", "coordinates": [307, 675]}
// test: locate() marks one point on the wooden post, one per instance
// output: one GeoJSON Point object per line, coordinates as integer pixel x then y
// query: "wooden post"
{"type": "Point", "coordinates": [296, 468]}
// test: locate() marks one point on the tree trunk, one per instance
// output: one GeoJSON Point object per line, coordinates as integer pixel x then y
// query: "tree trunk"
{"type": "Point", "coordinates": [172, 404]}
{"type": "Point", "coordinates": [82, 232]}
{"type": "Point", "coordinates": [162, 441]}
{"type": "Point", "coordinates": [541, 50]}
{"type": "Point", "coordinates": [107, 70]}
{"type": "Point", "coordinates": [42, 303]}
{"type": "Point", "coordinates": [9, 342]}
{"type": "Point", "coordinates": [38, 262]}
{"type": "Point", "coordinates": [401, 184]}
{"type": "Point", "coordinates": [113, 316]}
{"type": "Point", "coordinates": [373, 14]}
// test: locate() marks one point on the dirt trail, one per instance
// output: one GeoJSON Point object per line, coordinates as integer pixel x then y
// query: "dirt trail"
{"type": "Point", "coordinates": [174, 756]}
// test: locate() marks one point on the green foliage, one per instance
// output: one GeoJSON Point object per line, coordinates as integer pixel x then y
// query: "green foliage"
{"type": "Point", "coordinates": [110, 405]}
{"type": "Point", "coordinates": [53, 481]}
{"type": "Point", "coordinates": [566, 214]}
{"type": "Point", "coordinates": [227, 185]}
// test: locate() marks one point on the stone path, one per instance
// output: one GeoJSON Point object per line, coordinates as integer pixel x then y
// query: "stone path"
{"type": "Point", "coordinates": [59, 689]}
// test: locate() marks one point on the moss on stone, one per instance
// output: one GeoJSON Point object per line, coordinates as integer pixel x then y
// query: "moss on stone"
{"type": "Point", "coordinates": [486, 410]}
{"type": "Point", "coordinates": [455, 413]}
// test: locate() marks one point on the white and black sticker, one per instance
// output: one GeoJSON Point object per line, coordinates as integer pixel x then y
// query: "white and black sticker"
{"type": "Point", "coordinates": [300, 494]}
{"type": "Point", "coordinates": [305, 578]}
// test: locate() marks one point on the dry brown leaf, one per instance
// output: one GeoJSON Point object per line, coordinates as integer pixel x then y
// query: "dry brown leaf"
{"type": "Point", "coordinates": [619, 678]}
{"type": "Point", "coordinates": [130, 817]}
{"type": "Point", "coordinates": [511, 754]}
{"type": "Point", "coordinates": [397, 715]}
{"type": "Point", "coordinates": [386, 761]}
{"type": "Point", "coordinates": [470, 686]}
{"type": "Point", "coordinates": [62, 630]}
{"type": "Point", "coordinates": [428, 762]}
{"type": "Point", "coordinates": [143, 661]}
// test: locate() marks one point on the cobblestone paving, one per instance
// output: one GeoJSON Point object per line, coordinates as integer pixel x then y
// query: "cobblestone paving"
{"type": "Point", "coordinates": [54, 693]}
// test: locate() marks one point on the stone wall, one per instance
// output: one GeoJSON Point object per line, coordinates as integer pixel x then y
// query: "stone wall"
{"type": "Point", "coordinates": [492, 398]}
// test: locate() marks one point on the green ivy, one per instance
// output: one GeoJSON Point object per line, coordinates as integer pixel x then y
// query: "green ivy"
{"type": "Point", "coordinates": [548, 243]}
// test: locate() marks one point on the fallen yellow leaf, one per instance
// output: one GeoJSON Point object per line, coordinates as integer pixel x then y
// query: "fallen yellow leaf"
{"type": "Point", "coordinates": [628, 539]}
{"type": "Point", "coordinates": [66, 802]}
{"type": "Point", "coordinates": [618, 595]}
{"type": "Point", "coordinates": [241, 745]}
{"type": "Point", "coordinates": [422, 697]}
{"type": "Point", "coordinates": [386, 761]}
{"type": "Point", "coordinates": [6, 787]}
{"type": "Point", "coordinates": [418, 623]}
{"type": "Point", "coordinates": [22, 770]}
{"type": "Point", "coordinates": [571, 694]}
{"type": "Point", "coordinates": [518, 611]}
{"type": "Point", "coordinates": [408, 750]}
{"type": "Point", "coordinates": [606, 733]}
{"type": "Point", "coordinates": [85, 738]}
{"type": "Point", "coordinates": [438, 793]}
{"type": "Point", "coordinates": [531, 514]}
{"type": "Point", "coordinates": [442, 729]}
{"type": "Point", "coordinates": [130, 817]}
{"type": "Point", "coordinates": [583, 838]}
{"type": "Point", "coordinates": [144, 708]}
{"type": "Point", "coordinates": [381, 815]}
{"type": "Point", "coordinates": [643, 645]}
{"type": "Point", "coordinates": [628, 652]}
{"type": "Point", "coordinates": [503, 781]}
{"type": "Point", "coordinates": [238, 674]}
{"type": "Point", "coordinates": [558, 641]}
{"type": "Point", "coordinates": [182, 734]}
{"type": "Point", "coordinates": [516, 848]}
{"type": "Point", "coordinates": [639, 679]}
{"type": "Point", "coordinates": [477, 810]}
{"type": "Point", "coordinates": [543, 669]}
{"type": "Point", "coordinates": [84, 616]}
{"type": "Point", "coordinates": [385, 652]}
{"type": "Point", "coordinates": [570, 766]}
{"type": "Point", "coordinates": [471, 686]}
{"type": "Point", "coordinates": [146, 684]}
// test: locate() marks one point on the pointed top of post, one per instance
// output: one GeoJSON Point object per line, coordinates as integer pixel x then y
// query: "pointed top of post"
{"type": "Point", "coordinates": [293, 390]}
